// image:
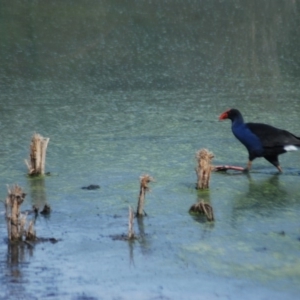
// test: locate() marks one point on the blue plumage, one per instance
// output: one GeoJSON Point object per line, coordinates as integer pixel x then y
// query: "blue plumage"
{"type": "Point", "coordinates": [247, 138]}
{"type": "Point", "coordinates": [261, 140]}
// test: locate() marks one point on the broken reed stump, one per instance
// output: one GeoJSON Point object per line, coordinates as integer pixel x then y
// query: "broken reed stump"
{"type": "Point", "coordinates": [131, 235]}
{"type": "Point", "coordinates": [204, 168]}
{"type": "Point", "coordinates": [144, 181]}
{"type": "Point", "coordinates": [15, 220]}
{"type": "Point", "coordinates": [38, 147]}
{"type": "Point", "coordinates": [203, 208]}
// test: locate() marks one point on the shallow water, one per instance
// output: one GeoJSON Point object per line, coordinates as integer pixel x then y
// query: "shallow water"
{"type": "Point", "coordinates": [251, 250]}
{"type": "Point", "coordinates": [112, 131]}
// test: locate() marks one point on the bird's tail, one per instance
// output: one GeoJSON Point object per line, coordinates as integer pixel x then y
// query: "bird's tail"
{"type": "Point", "coordinates": [294, 145]}
{"type": "Point", "coordinates": [291, 147]}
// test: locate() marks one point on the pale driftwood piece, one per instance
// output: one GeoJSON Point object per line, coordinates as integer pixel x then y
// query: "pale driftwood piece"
{"type": "Point", "coordinates": [38, 147]}
{"type": "Point", "coordinates": [227, 167]}
{"type": "Point", "coordinates": [15, 222]}
{"type": "Point", "coordinates": [144, 181]}
{"type": "Point", "coordinates": [203, 208]}
{"type": "Point", "coordinates": [203, 168]}
{"type": "Point", "coordinates": [131, 235]}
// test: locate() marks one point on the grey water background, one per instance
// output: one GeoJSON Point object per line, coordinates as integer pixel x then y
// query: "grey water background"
{"type": "Point", "coordinates": [124, 88]}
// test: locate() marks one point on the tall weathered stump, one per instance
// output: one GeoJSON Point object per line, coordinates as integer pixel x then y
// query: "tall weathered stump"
{"type": "Point", "coordinates": [18, 228]}
{"type": "Point", "coordinates": [204, 168]}
{"type": "Point", "coordinates": [15, 221]}
{"type": "Point", "coordinates": [38, 147]}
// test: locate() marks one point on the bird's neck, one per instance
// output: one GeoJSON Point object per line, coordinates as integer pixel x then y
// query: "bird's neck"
{"type": "Point", "coordinates": [238, 120]}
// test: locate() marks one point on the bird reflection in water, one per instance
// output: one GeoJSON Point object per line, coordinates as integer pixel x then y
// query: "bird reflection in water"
{"type": "Point", "coordinates": [263, 198]}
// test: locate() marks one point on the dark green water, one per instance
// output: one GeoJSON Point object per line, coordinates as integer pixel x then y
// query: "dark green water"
{"type": "Point", "coordinates": [124, 88]}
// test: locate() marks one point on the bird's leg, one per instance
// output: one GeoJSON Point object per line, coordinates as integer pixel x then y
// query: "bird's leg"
{"type": "Point", "coordinates": [249, 164]}
{"type": "Point", "coordinates": [279, 169]}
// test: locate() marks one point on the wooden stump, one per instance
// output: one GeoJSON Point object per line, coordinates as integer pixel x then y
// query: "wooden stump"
{"type": "Point", "coordinates": [144, 181]}
{"type": "Point", "coordinates": [38, 147]}
{"type": "Point", "coordinates": [15, 222]}
{"type": "Point", "coordinates": [203, 208]}
{"type": "Point", "coordinates": [204, 168]}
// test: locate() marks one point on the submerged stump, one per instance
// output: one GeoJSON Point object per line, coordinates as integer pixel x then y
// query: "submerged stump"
{"type": "Point", "coordinates": [204, 168]}
{"type": "Point", "coordinates": [38, 147]}
{"type": "Point", "coordinates": [144, 181]}
{"type": "Point", "coordinates": [203, 208]}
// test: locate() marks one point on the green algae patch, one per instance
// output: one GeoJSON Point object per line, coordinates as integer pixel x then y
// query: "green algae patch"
{"type": "Point", "coordinates": [206, 249]}
{"type": "Point", "coordinates": [260, 263]}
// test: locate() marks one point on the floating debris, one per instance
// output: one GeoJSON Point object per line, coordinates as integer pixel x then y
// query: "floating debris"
{"type": "Point", "coordinates": [91, 187]}
{"type": "Point", "coordinates": [46, 210]}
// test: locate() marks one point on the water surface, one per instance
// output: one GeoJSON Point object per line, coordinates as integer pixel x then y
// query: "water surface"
{"type": "Point", "coordinates": [135, 95]}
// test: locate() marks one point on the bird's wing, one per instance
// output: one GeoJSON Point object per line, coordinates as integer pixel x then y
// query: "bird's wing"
{"type": "Point", "coordinates": [273, 137]}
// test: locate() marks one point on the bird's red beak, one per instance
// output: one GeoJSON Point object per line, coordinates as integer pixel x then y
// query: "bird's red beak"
{"type": "Point", "coordinates": [223, 116]}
